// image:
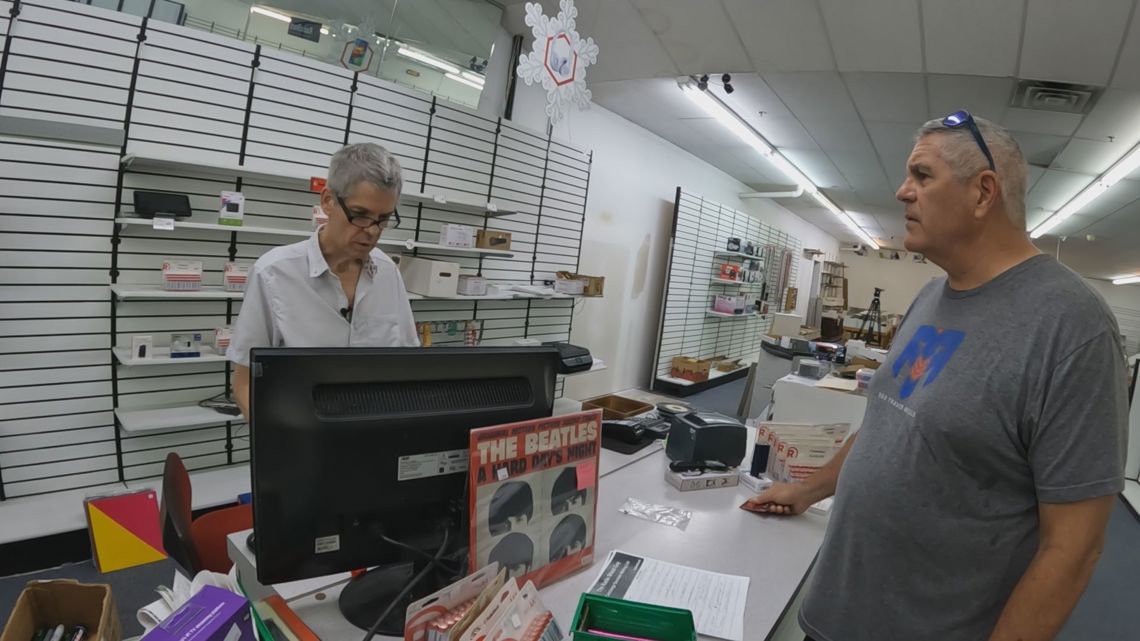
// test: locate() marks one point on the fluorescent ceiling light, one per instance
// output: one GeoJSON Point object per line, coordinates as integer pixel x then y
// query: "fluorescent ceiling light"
{"type": "Point", "coordinates": [428, 60]}
{"type": "Point", "coordinates": [463, 80]}
{"type": "Point", "coordinates": [1129, 163]}
{"type": "Point", "coordinates": [269, 13]}
{"type": "Point", "coordinates": [324, 32]}
{"type": "Point", "coordinates": [730, 121]}
{"type": "Point", "coordinates": [474, 77]}
{"type": "Point", "coordinates": [726, 118]}
{"type": "Point", "coordinates": [1126, 280]}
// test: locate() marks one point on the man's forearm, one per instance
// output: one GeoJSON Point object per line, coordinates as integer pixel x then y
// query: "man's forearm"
{"type": "Point", "coordinates": [1045, 595]}
{"type": "Point", "coordinates": [241, 389]}
{"type": "Point", "coordinates": [822, 484]}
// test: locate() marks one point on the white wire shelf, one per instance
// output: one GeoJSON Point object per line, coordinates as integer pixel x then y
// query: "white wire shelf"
{"type": "Point", "coordinates": [709, 312]}
{"type": "Point", "coordinates": [725, 281]}
{"type": "Point", "coordinates": [158, 419]}
{"type": "Point", "coordinates": [161, 357]}
{"type": "Point", "coordinates": [156, 292]}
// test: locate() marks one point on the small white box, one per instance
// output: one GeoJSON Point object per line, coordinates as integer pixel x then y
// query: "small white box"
{"type": "Point", "coordinates": [233, 208]}
{"type": "Point", "coordinates": [182, 275]}
{"type": "Point", "coordinates": [222, 337]}
{"type": "Point", "coordinates": [572, 287]}
{"type": "Point", "coordinates": [687, 482]}
{"type": "Point", "coordinates": [457, 236]}
{"type": "Point", "coordinates": [142, 347]}
{"type": "Point", "coordinates": [472, 285]}
{"type": "Point", "coordinates": [234, 275]}
{"type": "Point", "coordinates": [429, 277]}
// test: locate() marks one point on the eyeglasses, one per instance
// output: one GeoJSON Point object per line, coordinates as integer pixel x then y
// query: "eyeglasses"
{"type": "Point", "coordinates": [364, 221]}
{"type": "Point", "coordinates": [964, 119]}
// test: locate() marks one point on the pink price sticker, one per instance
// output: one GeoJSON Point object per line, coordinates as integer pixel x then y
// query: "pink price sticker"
{"type": "Point", "coordinates": [587, 474]}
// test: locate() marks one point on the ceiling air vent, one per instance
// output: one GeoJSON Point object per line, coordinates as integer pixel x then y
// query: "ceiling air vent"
{"type": "Point", "coordinates": [1062, 97]}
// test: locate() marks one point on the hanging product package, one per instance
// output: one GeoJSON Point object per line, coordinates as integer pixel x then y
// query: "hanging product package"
{"type": "Point", "coordinates": [662, 514]}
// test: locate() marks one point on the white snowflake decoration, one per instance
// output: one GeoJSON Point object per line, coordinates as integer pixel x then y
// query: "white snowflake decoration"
{"type": "Point", "coordinates": [559, 58]}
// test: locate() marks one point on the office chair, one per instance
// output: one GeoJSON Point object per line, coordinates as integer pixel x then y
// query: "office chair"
{"type": "Point", "coordinates": [196, 544]}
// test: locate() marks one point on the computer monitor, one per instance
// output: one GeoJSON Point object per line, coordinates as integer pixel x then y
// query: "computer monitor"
{"type": "Point", "coordinates": [359, 458]}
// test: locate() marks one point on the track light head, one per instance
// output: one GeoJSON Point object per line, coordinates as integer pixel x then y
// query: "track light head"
{"type": "Point", "coordinates": [728, 88]}
{"type": "Point", "coordinates": [726, 78]}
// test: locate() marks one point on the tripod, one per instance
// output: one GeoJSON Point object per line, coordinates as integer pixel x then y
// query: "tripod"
{"type": "Point", "coordinates": [872, 322]}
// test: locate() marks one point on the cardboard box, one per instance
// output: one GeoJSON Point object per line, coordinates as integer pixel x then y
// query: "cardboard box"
{"type": "Point", "coordinates": [594, 285]}
{"type": "Point", "coordinates": [726, 365]}
{"type": "Point", "coordinates": [456, 236]}
{"type": "Point", "coordinates": [493, 239]}
{"type": "Point", "coordinates": [690, 369]}
{"type": "Point", "coordinates": [569, 286]}
{"type": "Point", "coordinates": [429, 277]}
{"type": "Point", "coordinates": [64, 601]}
{"type": "Point", "coordinates": [703, 481]}
{"type": "Point", "coordinates": [472, 285]}
{"type": "Point", "coordinates": [212, 614]}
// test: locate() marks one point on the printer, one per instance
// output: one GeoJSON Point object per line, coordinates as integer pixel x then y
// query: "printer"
{"type": "Point", "coordinates": [696, 437]}
{"type": "Point", "coordinates": [572, 358]}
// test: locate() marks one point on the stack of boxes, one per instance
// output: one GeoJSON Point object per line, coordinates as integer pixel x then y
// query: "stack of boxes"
{"type": "Point", "coordinates": [791, 452]}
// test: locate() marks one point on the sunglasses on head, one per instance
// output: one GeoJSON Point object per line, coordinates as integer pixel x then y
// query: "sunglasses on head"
{"type": "Point", "coordinates": [964, 119]}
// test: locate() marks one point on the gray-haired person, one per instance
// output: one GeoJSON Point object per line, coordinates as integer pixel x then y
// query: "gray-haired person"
{"type": "Point", "coordinates": [335, 289]}
{"type": "Point", "coordinates": [972, 504]}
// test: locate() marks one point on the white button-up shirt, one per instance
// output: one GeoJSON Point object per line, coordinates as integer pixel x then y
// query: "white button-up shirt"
{"type": "Point", "coordinates": [293, 299]}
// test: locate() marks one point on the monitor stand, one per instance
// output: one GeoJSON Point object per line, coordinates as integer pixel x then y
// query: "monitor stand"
{"type": "Point", "coordinates": [365, 597]}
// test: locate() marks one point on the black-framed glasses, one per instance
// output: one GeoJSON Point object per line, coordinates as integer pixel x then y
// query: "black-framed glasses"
{"type": "Point", "coordinates": [964, 119]}
{"type": "Point", "coordinates": [364, 221]}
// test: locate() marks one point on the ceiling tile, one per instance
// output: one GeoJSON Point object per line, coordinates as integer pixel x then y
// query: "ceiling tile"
{"type": "Point", "coordinates": [1070, 41]}
{"type": "Point", "coordinates": [712, 133]}
{"type": "Point", "coordinates": [1116, 116]}
{"type": "Point", "coordinates": [1088, 157]}
{"type": "Point", "coordinates": [1041, 122]}
{"type": "Point", "coordinates": [861, 169]}
{"type": "Point", "coordinates": [894, 143]}
{"type": "Point", "coordinates": [699, 36]}
{"type": "Point", "coordinates": [1124, 192]}
{"type": "Point", "coordinates": [813, 95]}
{"type": "Point", "coordinates": [752, 95]}
{"type": "Point", "coordinates": [1127, 74]}
{"type": "Point", "coordinates": [971, 37]}
{"type": "Point", "coordinates": [631, 49]}
{"type": "Point", "coordinates": [874, 35]}
{"type": "Point", "coordinates": [987, 97]}
{"type": "Point", "coordinates": [835, 135]}
{"type": "Point", "coordinates": [1038, 149]}
{"type": "Point", "coordinates": [1035, 174]}
{"type": "Point", "coordinates": [782, 35]}
{"type": "Point", "coordinates": [1054, 189]}
{"type": "Point", "coordinates": [818, 167]}
{"type": "Point", "coordinates": [783, 133]}
{"type": "Point", "coordinates": [888, 97]}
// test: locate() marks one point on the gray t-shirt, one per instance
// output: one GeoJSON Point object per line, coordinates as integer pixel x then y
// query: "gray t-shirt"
{"type": "Point", "coordinates": [991, 400]}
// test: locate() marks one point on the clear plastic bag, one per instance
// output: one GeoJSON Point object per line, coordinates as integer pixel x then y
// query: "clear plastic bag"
{"type": "Point", "coordinates": [662, 514]}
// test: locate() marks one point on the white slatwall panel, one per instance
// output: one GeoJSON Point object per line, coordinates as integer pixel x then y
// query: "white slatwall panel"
{"type": "Point", "coordinates": [192, 91]}
{"type": "Point", "coordinates": [701, 228]}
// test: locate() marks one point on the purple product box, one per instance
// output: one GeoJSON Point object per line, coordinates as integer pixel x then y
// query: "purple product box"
{"type": "Point", "coordinates": [212, 614]}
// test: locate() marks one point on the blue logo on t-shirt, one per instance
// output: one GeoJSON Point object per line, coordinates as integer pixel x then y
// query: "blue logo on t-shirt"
{"type": "Point", "coordinates": [924, 356]}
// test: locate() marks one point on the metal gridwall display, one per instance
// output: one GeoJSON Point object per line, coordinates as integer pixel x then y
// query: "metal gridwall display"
{"type": "Point", "coordinates": [202, 114]}
{"type": "Point", "coordinates": [700, 229]}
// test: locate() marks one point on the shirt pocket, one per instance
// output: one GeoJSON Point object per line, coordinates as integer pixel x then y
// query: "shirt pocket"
{"type": "Point", "coordinates": [382, 330]}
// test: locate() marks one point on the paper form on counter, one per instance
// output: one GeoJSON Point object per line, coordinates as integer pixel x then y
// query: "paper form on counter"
{"type": "Point", "coordinates": [716, 600]}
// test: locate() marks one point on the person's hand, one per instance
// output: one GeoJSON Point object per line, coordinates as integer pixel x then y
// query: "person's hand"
{"type": "Point", "coordinates": [781, 498]}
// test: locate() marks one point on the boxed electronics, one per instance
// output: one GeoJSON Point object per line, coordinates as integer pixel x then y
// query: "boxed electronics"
{"type": "Point", "coordinates": [729, 271]}
{"type": "Point", "coordinates": [142, 346]}
{"type": "Point", "coordinates": [725, 304]}
{"type": "Point", "coordinates": [690, 369]}
{"type": "Point", "coordinates": [594, 285]}
{"type": "Point", "coordinates": [456, 236]}
{"type": "Point", "coordinates": [569, 286]}
{"type": "Point", "coordinates": [211, 614]}
{"type": "Point", "coordinates": [493, 239]}
{"type": "Point", "coordinates": [188, 345]}
{"type": "Point", "coordinates": [233, 208]}
{"type": "Point", "coordinates": [707, 480]}
{"type": "Point", "coordinates": [769, 435]}
{"type": "Point", "coordinates": [182, 275]}
{"type": "Point", "coordinates": [733, 245]}
{"type": "Point", "coordinates": [235, 274]}
{"type": "Point", "coordinates": [45, 604]}
{"type": "Point", "coordinates": [429, 277]}
{"type": "Point", "coordinates": [472, 285]}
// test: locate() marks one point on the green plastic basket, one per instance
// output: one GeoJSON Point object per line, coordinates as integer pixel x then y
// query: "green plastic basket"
{"type": "Point", "coordinates": [632, 619]}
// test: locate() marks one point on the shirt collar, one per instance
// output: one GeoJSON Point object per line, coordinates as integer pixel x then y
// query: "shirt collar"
{"type": "Point", "coordinates": [317, 263]}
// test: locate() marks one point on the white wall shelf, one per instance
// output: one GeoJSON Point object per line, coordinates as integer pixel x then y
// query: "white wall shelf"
{"type": "Point", "coordinates": [156, 292]}
{"type": "Point", "coordinates": [161, 356]}
{"type": "Point", "coordinates": [728, 254]}
{"type": "Point", "coordinates": [158, 419]}
{"type": "Point", "coordinates": [732, 316]}
{"type": "Point", "coordinates": [450, 202]}
{"type": "Point", "coordinates": [405, 245]}
{"type": "Point", "coordinates": [725, 281]}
